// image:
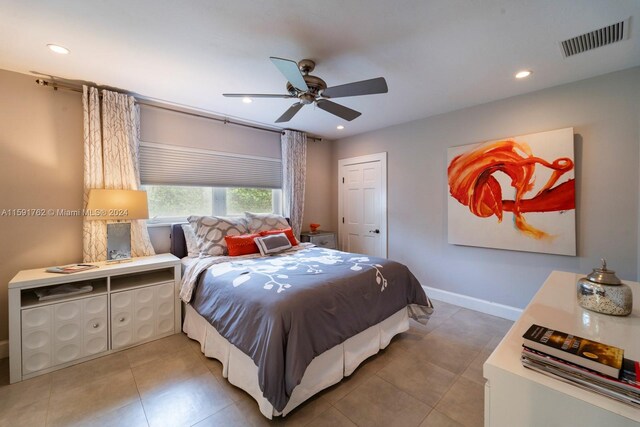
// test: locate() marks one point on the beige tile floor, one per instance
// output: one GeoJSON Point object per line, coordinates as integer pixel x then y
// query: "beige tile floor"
{"type": "Point", "coordinates": [429, 376]}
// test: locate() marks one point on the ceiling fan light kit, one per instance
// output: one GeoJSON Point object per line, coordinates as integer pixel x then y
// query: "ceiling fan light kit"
{"type": "Point", "coordinates": [309, 89]}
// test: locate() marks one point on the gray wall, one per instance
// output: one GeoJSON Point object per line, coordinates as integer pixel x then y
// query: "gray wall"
{"type": "Point", "coordinates": [604, 113]}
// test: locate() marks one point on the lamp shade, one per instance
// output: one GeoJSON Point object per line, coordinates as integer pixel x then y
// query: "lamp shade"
{"type": "Point", "coordinates": [117, 205]}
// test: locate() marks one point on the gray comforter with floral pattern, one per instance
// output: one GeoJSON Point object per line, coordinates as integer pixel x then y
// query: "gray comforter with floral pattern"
{"type": "Point", "coordinates": [282, 311]}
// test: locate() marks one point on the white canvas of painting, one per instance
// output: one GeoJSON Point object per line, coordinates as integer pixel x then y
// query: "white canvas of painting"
{"type": "Point", "coordinates": [515, 193]}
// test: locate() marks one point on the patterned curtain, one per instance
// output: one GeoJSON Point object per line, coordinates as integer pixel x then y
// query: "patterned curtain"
{"type": "Point", "coordinates": [294, 166]}
{"type": "Point", "coordinates": [117, 154]}
{"type": "Point", "coordinates": [94, 233]}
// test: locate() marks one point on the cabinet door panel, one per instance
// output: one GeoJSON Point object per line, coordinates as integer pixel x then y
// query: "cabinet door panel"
{"type": "Point", "coordinates": [37, 361]}
{"type": "Point", "coordinates": [36, 317]}
{"type": "Point", "coordinates": [165, 324]}
{"type": "Point", "coordinates": [164, 308]}
{"type": "Point", "coordinates": [35, 339]}
{"type": "Point", "coordinates": [67, 331]}
{"type": "Point", "coordinates": [68, 351]}
{"type": "Point", "coordinates": [95, 344]}
{"type": "Point", "coordinates": [96, 305]}
{"type": "Point", "coordinates": [121, 319]}
{"type": "Point", "coordinates": [143, 331]}
{"type": "Point", "coordinates": [37, 342]}
{"type": "Point", "coordinates": [68, 311]}
{"type": "Point", "coordinates": [144, 305]}
{"type": "Point", "coordinates": [143, 316]}
{"type": "Point", "coordinates": [95, 325]}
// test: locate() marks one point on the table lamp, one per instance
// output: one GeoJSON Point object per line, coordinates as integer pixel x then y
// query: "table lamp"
{"type": "Point", "coordinates": [119, 206]}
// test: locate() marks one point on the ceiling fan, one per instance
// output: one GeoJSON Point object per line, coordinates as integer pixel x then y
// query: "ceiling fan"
{"type": "Point", "coordinates": [311, 89]}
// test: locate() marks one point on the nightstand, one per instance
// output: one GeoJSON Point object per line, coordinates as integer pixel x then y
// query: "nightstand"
{"type": "Point", "coordinates": [129, 303]}
{"type": "Point", "coordinates": [325, 239]}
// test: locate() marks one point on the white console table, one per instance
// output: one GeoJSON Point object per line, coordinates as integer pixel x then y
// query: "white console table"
{"type": "Point", "coordinates": [516, 396]}
{"type": "Point", "coordinates": [130, 303]}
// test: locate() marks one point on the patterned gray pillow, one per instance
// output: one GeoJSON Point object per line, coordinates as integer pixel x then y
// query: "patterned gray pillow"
{"type": "Point", "coordinates": [272, 244]}
{"type": "Point", "coordinates": [210, 232]}
{"type": "Point", "coordinates": [191, 240]}
{"type": "Point", "coordinates": [265, 222]}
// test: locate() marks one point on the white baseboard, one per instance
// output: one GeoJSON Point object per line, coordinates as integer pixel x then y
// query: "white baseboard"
{"type": "Point", "coordinates": [4, 349]}
{"type": "Point", "coordinates": [483, 306]}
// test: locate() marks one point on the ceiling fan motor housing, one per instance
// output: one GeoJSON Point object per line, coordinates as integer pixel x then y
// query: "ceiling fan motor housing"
{"type": "Point", "coordinates": [315, 84]}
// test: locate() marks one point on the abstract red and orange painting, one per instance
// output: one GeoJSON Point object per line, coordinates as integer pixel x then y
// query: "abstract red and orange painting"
{"type": "Point", "coordinates": [514, 193]}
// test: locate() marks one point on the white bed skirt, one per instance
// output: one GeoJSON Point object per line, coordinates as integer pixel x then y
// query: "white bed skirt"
{"type": "Point", "coordinates": [325, 370]}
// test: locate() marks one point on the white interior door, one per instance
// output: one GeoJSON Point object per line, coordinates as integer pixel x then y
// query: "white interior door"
{"type": "Point", "coordinates": [362, 204]}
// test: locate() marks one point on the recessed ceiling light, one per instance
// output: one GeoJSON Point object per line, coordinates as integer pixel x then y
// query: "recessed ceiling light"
{"type": "Point", "coordinates": [522, 74]}
{"type": "Point", "coordinates": [58, 49]}
{"type": "Point", "coordinates": [247, 100]}
{"type": "Point", "coordinates": [339, 127]}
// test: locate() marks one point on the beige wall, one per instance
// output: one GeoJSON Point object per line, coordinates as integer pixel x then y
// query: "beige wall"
{"type": "Point", "coordinates": [40, 168]}
{"type": "Point", "coordinates": [317, 198]}
{"type": "Point", "coordinates": [604, 114]}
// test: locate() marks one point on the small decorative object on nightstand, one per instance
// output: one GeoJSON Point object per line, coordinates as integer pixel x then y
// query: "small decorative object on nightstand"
{"type": "Point", "coordinates": [603, 292]}
{"type": "Point", "coordinates": [314, 227]}
{"type": "Point", "coordinates": [325, 239]}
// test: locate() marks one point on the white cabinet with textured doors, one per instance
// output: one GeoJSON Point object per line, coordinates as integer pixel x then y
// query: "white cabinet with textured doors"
{"type": "Point", "coordinates": [129, 303]}
{"type": "Point", "coordinates": [141, 314]}
{"type": "Point", "coordinates": [59, 333]}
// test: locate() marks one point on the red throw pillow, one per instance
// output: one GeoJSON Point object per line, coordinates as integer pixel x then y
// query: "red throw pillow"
{"type": "Point", "coordinates": [242, 244]}
{"type": "Point", "coordinates": [287, 231]}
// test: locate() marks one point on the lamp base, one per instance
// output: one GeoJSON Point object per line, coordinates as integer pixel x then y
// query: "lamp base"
{"type": "Point", "coordinates": [119, 242]}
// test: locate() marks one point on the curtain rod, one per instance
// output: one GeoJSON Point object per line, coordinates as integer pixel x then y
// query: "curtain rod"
{"type": "Point", "coordinates": [56, 86]}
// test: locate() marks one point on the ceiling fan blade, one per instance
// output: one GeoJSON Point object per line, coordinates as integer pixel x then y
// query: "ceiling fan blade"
{"type": "Point", "coordinates": [291, 72]}
{"type": "Point", "coordinates": [256, 95]}
{"type": "Point", "coordinates": [364, 87]}
{"type": "Point", "coordinates": [288, 115]}
{"type": "Point", "coordinates": [337, 109]}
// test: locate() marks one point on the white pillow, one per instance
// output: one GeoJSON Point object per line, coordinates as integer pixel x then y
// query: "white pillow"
{"type": "Point", "coordinates": [210, 232]}
{"type": "Point", "coordinates": [191, 240]}
{"type": "Point", "coordinates": [265, 222]}
{"type": "Point", "coordinates": [272, 243]}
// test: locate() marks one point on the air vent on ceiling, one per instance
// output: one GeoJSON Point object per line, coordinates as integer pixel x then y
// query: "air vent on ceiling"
{"type": "Point", "coordinates": [597, 38]}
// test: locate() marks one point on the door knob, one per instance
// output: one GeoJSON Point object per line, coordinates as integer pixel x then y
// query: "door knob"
{"type": "Point", "coordinates": [377, 231]}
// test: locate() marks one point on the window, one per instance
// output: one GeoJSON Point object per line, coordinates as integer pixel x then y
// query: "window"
{"type": "Point", "coordinates": [169, 203]}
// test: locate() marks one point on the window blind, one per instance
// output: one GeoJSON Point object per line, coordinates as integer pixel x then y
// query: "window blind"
{"type": "Point", "coordinates": [163, 164]}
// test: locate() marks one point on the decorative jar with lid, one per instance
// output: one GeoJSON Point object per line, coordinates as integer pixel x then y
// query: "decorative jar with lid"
{"type": "Point", "coordinates": [603, 292]}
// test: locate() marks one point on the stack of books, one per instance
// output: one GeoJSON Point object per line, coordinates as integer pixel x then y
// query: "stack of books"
{"type": "Point", "coordinates": [587, 364]}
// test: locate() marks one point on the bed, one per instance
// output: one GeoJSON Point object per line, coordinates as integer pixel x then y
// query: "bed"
{"type": "Point", "coordinates": [287, 326]}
